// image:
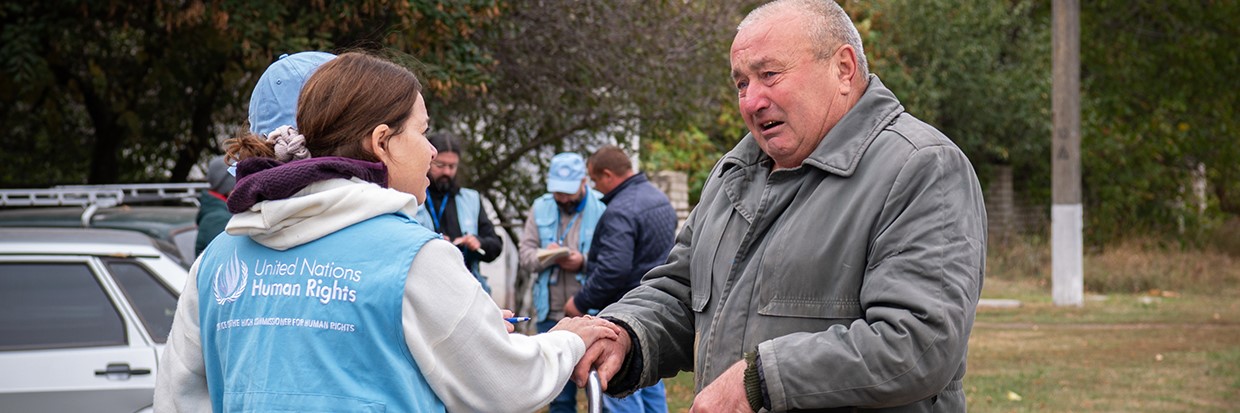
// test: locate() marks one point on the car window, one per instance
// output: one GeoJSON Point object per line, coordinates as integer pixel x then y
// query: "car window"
{"type": "Point", "coordinates": [185, 243]}
{"type": "Point", "coordinates": [153, 301]}
{"type": "Point", "coordinates": [55, 305]}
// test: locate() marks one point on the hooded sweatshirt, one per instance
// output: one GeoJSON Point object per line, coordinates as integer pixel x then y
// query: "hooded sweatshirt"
{"type": "Point", "coordinates": [452, 329]}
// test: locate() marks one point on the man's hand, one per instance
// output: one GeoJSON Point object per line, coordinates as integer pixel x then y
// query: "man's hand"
{"type": "Point", "coordinates": [725, 394]}
{"type": "Point", "coordinates": [606, 356]}
{"type": "Point", "coordinates": [571, 262]}
{"type": "Point", "coordinates": [470, 242]}
{"type": "Point", "coordinates": [570, 309]}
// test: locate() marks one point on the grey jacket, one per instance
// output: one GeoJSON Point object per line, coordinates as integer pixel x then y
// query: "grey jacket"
{"type": "Point", "coordinates": [856, 275]}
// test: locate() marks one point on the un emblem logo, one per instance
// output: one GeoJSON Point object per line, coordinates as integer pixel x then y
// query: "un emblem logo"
{"type": "Point", "coordinates": [229, 280]}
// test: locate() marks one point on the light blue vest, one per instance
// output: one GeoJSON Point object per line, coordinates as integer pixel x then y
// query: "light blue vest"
{"type": "Point", "coordinates": [313, 328]}
{"type": "Point", "coordinates": [547, 218]}
{"type": "Point", "coordinates": [468, 206]}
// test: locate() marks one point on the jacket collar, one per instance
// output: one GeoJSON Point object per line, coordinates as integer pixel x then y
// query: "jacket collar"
{"type": "Point", "coordinates": [636, 179]}
{"type": "Point", "coordinates": [841, 150]}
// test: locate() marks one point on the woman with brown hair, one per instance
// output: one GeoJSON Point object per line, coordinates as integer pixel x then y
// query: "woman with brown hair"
{"type": "Point", "coordinates": [327, 295]}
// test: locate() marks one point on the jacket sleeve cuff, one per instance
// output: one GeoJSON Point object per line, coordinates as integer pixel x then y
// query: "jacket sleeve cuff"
{"type": "Point", "coordinates": [754, 391]}
{"type": "Point", "coordinates": [583, 302]}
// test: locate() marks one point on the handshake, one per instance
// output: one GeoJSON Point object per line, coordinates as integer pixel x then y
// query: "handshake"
{"type": "Point", "coordinates": [606, 346]}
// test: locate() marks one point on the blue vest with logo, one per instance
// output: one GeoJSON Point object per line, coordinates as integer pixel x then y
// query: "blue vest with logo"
{"type": "Point", "coordinates": [468, 206]}
{"type": "Point", "coordinates": [547, 218]}
{"type": "Point", "coordinates": [313, 328]}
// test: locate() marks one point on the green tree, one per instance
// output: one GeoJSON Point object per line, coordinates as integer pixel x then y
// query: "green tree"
{"type": "Point", "coordinates": [572, 75]}
{"type": "Point", "coordinates": [979, 70]}
{"type": "Point", "coordinates": [104, 92]}
{"type": "Point", "coordinates": [1159, 102]}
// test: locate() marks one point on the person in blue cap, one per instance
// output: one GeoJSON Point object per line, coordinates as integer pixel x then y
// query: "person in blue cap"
{"type": "Point", "coordinates": [273, 104]}
{"type": "Point", "coordinates": [274, 101]}
{"type": "Point", "coordinates": [635, 234]}
{"type": "Point", "coordinates": [558, 231]}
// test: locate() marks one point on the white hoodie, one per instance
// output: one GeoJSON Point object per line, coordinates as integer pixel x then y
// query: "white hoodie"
{"type": "Point", "coordinates": [457, 337]}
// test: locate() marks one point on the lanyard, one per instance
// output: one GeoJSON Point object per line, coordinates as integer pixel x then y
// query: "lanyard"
{"type": "Point", "coordinates": [576, 217]}
{"type": "Point", "coordinates": [430, 208]}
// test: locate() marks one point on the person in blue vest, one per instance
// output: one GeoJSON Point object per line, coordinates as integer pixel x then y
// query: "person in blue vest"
{"type": "Point", "coordinates": [561, 220]}
{"type": "Point", "coordinates": [635, 234]}
{"type": "Point", "coordinates": [325, 294]}
{"type": "Point", "coordinates": [456, 213]}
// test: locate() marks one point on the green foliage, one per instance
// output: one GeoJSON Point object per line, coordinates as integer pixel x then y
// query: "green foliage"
{"type": "Point", "coordinates": [108, 92]}
{"type": "Point", "coordinates": [571, 76]}
{"type": "Point", "coordinates": [99, 92]}
{"type": "Point", "coordinates": [978, 70]}
{"type": "Point", "coordinates": [695, 150]}
{"type": "Point", "coordinates": [1157, 106]}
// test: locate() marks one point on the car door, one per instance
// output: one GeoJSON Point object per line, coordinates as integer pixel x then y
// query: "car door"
{"type": "Point", "coordinates": [68, 342]}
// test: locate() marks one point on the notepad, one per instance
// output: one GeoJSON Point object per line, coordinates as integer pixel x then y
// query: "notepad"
{"type": "Point", "coordinates": [548, 256]}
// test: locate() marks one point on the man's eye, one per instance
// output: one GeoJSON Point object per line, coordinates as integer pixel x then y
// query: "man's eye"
{"type": "Point", "coordinates": [741, 85]}
{"type": "Point", "coordinates": [768, 75]}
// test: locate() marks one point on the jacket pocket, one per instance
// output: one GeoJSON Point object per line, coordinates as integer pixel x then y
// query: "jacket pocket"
{"type": "Point", "coordinates": [805, 289]}
{"type": "Point", "coordinates": [700, 275]}
{"type": "Point", "coordinates": [712, 255]}
{"type": "Point", "coordinates": [810, 307]}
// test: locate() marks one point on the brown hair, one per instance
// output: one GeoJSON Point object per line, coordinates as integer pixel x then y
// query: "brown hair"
{"type": "Point", "coordinates": [341, 104]}
{"type": "Point", "coordinates": [611, 158]}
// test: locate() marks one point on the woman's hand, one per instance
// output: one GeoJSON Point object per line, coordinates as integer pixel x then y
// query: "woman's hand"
{"type": "Point", "coordinates": [508, 314]}
{"type": "Point", "coordinates": [590, 328]}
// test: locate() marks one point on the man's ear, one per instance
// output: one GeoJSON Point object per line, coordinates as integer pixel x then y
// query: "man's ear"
{"type": "Point", "coordinates": [377, 144]}
{"type": "Point", "coordinates": [845, 61]}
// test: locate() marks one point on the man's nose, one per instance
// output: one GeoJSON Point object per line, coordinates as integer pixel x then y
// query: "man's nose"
{"type": "Point", "coordinates": [755, 100]}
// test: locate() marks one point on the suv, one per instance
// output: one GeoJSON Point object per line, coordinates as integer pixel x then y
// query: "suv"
{"type": "Point", "coordinates": [85, 312]}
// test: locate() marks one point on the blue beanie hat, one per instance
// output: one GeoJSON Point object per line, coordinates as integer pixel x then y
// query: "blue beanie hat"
{"type": "Point", "coordinates": [274, 102]}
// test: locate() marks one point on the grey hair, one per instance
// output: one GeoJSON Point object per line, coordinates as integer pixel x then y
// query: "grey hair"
{"type": "Point", "coordinates": [830, 26]}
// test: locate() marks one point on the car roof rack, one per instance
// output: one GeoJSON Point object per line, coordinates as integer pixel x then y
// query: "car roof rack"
{"type": "Point", "coordinates": [93, 197]}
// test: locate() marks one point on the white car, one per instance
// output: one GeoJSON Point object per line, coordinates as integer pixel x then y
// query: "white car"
{"type": "Point", "coordinates": [84, 314]}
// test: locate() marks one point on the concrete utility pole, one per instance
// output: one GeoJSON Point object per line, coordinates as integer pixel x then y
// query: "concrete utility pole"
{"type": "Point", "coordinates": [1067, 215]}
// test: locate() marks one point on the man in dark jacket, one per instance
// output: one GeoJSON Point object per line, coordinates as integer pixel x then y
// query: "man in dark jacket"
{"type": "Point", "coordinates": [634, 234]}
{"type": "Point", "coordinates": [213, 213]}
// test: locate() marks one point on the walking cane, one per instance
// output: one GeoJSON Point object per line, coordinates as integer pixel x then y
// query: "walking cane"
{"type": "Point", "coordinates": [594, 393]}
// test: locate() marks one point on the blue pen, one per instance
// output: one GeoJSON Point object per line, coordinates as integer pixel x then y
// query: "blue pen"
{"type": "Point", "coordinates": [515, 320]}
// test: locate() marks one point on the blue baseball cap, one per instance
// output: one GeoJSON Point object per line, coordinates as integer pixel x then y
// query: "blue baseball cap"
{"type": "Point", "coordinates": [566, 172]}
{"type": "Point", "coordinates": [274, 102]}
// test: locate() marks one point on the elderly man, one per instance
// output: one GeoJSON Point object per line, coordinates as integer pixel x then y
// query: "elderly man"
{"type": "Point", "coordinates": [836, 256]}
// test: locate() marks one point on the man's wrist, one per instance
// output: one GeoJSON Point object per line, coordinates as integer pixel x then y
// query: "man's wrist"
{"type": "Point", "coordinates": [631, 370]}
{"type": "Point", "coordinates": [753, 381]}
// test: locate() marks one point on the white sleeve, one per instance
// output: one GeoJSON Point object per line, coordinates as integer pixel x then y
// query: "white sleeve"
{"type": "Point", "coordinates": [457, 336]}
{"type": "Point", "coordinates": [181, 378]}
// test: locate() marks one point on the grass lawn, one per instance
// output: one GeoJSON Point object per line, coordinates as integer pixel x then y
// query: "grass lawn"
{"type": "Point", "coordinates": [1121, 353]}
